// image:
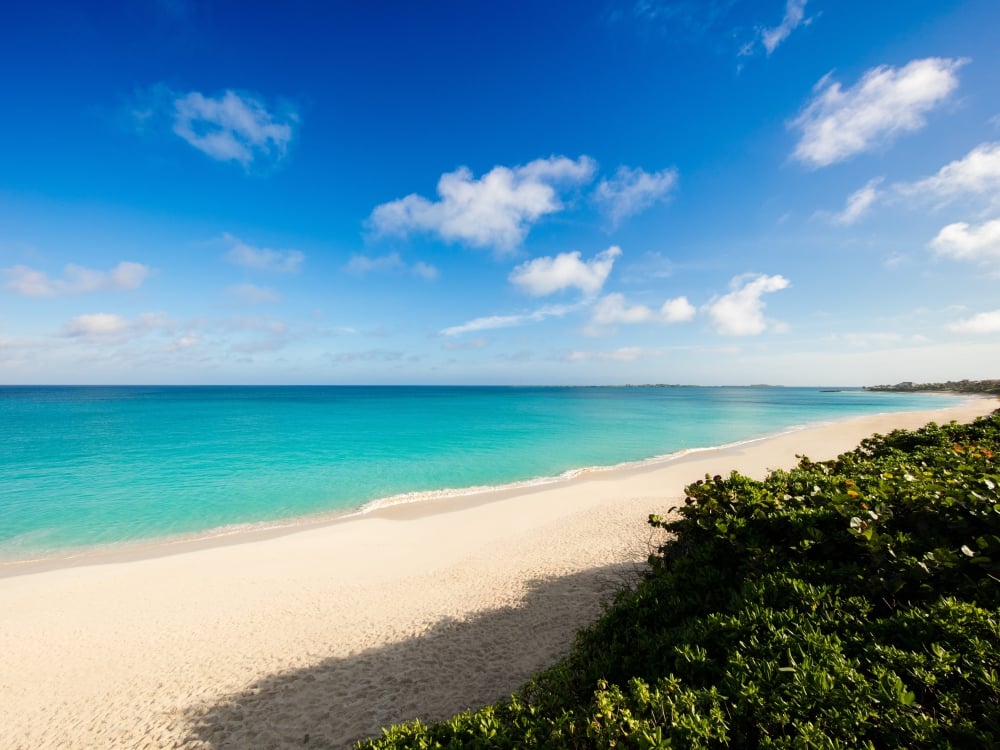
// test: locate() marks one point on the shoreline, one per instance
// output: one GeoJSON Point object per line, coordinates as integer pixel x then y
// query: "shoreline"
{"type": "Point", "coordinates": [243, 533]}
{"type": "Point", "coordinates": [335, 630]}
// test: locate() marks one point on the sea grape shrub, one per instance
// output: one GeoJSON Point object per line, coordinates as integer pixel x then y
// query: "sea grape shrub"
{"type": "Point", "coordinates": [849, 603]}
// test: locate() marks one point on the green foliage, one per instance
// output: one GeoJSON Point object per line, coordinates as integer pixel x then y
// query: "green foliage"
{"type": "Point", "coordinates": [953, 386]}
{"type": "Point", "coordinates": [852, 603]}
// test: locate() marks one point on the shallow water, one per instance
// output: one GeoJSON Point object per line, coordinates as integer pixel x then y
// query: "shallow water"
{"type": "Point", "coordinates": [90, 466]}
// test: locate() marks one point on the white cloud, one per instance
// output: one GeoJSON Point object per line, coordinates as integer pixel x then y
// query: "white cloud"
{"type": "Point", "coordinates": [232, 127]}
{"type": "Point", "coordinates": [612, 309]}
{"type": "Point", "coordinates": [962, 241]}
{"type": "Point", "coordinates": [424, 270]}
{"type": "Point", "coordinates": [976, 173]}
{"type": "Point", "coordinates": [632, 191]}
{"type": "Point", "coordinates": [677, 310]}
{"type": "Point", "coordinates": [741, 312]}
{"type": "Point", "coordinates": [76, 280]}
{"type": "Point", "coordinates": [859, 203]}
{"type": "Point", "coordinates": [496, 210]}
{"type": "Point", "coordinates": [794, 16]}
{"type": "Point", "coordinates": [987, 322]}
{"type": "Point", "coordinates": [251, 294]}
{"type": "Point", "coordinates": [96, 325]}
{"type": "Point", "coordinates": [492, 322]}
{"type": "Point", "coordinates": [185, 341]}
{"type": "Point", "coordinates": [262, 258]}
{"type": "Point", "coordinates": [837, 123]}
{"type": "Point", "coordinates": [362, 264]}
{"type": "Point", "coordinates": [547, 275]}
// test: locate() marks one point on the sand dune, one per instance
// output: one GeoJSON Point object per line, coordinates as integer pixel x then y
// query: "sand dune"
{"type": "Point", "coordinates": [322, 634]}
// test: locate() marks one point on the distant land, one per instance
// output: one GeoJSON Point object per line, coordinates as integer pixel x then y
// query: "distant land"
{"type": "Point", "coordinates": [954, 386]}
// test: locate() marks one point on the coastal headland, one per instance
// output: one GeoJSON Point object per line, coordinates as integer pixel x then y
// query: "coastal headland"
{"type": "Point", "coordinates": [318, 635]}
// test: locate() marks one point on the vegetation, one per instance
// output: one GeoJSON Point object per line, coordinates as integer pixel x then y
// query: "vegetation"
{"type": "Point", "coordinates": [954, 386]}
{"type": "Point", "coordinates": [846, 604]}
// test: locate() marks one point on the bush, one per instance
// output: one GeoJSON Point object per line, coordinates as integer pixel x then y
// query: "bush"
{"type": "Point", "coordinates": [851, 603]}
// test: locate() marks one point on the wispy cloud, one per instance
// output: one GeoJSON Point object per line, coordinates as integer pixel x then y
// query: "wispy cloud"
{"type": "Point", "coordinates": [233, 127]}
{"type": "Point", "coordinates": [496, 210]}
{"type": "Point", "coordinates": [741, 311]}
{"type": "Point", "coordinates": [859, 203]}
{"type": "Point", "coordinates": [236, 127]}
{"type": "Point", "coordinates": [477, 343]}
{"type": "Point", "coordinates": [838, 123]}
{"type": "Point", "coordinates": [977, 174]}
{"type": "Point", "coordinates": [371, 355]}
{"type": "Point", "coordinates": [986, 322]}
{"type": "Point", "coordinates": [96, 325]}
{"type": "Point", "coordinates": [632, 191]}
{"type": "Point", "coordinates": [30, 282]}
{"type": "Point", "coordinates": [251, 294]}
{"type": "Point", "coordinates": [547, 275]}
{"type": "Point", "coordinates": [621, 354]}
{"type": "Point", "coordinates": [262, 258]}
{"type": "Point", "coordinates": [425, 270]}
{"type": "Point", "coordinates": [962, 241]}
{"type": "Point", "coordinates": [793, 18]}
{"type": "Point", "coordinates": [492, 322]}
{"type": "Point", "coordinates": [364, 264]}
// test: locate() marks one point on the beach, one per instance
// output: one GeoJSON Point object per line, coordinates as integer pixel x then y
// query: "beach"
{"type": "Point", "coordinates": [319, 634]}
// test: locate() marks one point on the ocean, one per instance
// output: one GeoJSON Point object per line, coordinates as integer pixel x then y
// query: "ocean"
{"type": "Point", "coordinates": [85, 467]}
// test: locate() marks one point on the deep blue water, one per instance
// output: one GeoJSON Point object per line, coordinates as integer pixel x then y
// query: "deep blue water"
{"type": "Point", "coordinates": [87, 466]}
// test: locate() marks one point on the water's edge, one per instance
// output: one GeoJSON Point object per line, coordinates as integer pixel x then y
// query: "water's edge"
{"type": "Point", "coordinates": [249, 532]}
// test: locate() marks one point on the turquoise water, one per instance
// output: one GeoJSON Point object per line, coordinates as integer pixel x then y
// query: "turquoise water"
{"type": "Point", "coordinates": [82, 467]}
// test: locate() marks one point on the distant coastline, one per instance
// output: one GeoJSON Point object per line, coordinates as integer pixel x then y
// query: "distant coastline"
{"type": "Point", "coordinates": [985, 387]}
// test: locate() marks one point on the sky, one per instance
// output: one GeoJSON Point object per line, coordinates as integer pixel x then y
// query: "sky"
{"type": "Point", "coordinates": [792, 192]}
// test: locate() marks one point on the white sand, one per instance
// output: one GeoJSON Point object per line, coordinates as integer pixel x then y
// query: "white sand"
{"type": "Point", "coordinates": [333, 631]}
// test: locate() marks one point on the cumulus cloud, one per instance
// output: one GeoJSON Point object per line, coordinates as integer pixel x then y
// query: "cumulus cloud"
{"type": "Point", "coordinates": [794, 17]}
{"type": "Point", "coordinates": [962, 241]}
{"type": "Point", "coordinates": [741, 311]}
{"type": "Point", "coordinates": [632, 191]}
{"type": "Point", "coordinates": [976, 173]}
{"type": "Point", "coordinates": [232, 127]}
{"type": "Point", "coordinates": [363, 264]}
{"type": "Point", "coordinates": [612, 310]}
{"type": "Point", "coordinates": [677, 310]}
{"type": "Point", "coordinates": [987, 322]}
{"type": "Point", "coordinates": [859, 203]}
{"type": "Point", "coordinates": [497, 210]}
{"type": "Point", "coordinates": [547, 275]}
{"type": "Point", "coordinates": [887, 102]}
{"type": "Point", "coordinates": [97, 325]}
{"type": "Point", "coordinates": [251, 294]}
{"type": "Point", "coordinates": [262, 258]}
{"type": "Point", "coordinates": [491, 322]}
{"type": "Point", "coordinates": [30, 282]}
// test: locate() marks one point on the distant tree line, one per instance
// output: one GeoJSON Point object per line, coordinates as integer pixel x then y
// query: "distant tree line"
{"type": "Point", "coordinates": [956, 386]}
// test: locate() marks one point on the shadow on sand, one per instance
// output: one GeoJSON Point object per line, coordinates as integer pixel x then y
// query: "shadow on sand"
{"type": "Point", "coordinates": [453, 666]}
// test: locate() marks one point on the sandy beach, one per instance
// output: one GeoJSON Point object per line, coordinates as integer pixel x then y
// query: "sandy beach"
{"type": "Point", "coordinates": [319, 635]}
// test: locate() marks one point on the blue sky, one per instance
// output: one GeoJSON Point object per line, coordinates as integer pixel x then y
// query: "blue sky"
{"type": "Point", "coordinates": [676, 191]}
